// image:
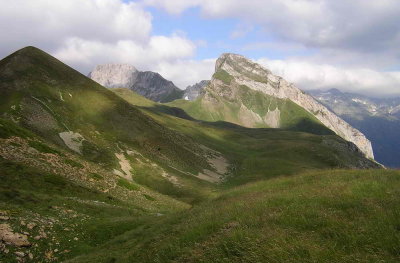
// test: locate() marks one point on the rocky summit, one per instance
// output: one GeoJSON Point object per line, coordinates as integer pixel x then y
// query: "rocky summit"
{"type": "Point", "coordinates": [147, 83]}
{"type": "Point", "coordinates": [114, 75]}
{"type": "Point", "coordinates": [248, 94]}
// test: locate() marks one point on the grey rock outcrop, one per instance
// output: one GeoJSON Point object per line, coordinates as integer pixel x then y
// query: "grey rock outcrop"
{"type": "Point", "coordinates": [154, 87]}
{"type": "Point", "coordinates": [114, 75]}
{"type": "Point", "coordinates": [252, 75]}
{"type": "Point", "coordinates": [146, 83]}
{"type": "Point", "coordinates": [193, 91]}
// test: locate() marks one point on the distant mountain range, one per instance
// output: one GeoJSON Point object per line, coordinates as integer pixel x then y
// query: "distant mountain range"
{"type": "Point", "coordinates": [150, 85]}
{"type": "Point", "coordinates": [241, 92]}
{"type": "Point", "coordinates": [377, 118]}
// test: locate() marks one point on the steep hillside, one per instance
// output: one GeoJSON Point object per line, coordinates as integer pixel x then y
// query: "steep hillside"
{"type": "Point", "coordinates": [245, 93]}
{"type": "Point", "coordinates": [55, 205]}
{"type": "Point", "coordinates": [148, 84]}
{"type": "Point", "coordinates": [68, 109]}
{"type": "Point", "coordinates": [369, 115]}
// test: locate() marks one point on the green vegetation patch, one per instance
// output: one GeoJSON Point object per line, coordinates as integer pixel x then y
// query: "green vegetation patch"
{"type": "Point", "coordinates": [41, 147]}
{"type": "Point", "coordinates": [126, 184]}
{"type": "Point", "coordinates": [9, 129]}
{"type": "Point", "coordinates": [148, 197]}
{"type": "Point", "coordinates": [224, 76]}
{"type": "Point", "coordinates": [73, 163]}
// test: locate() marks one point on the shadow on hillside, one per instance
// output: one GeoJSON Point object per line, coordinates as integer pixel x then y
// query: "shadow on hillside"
{"type": "Point", "coordinates": [173, 111]}
{"type": "Point", "coordinates": [304, 125]}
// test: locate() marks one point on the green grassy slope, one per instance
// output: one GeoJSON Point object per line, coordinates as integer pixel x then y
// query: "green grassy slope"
{"type": "Point", "coordinates": [293, 117]}
{"type": "Point", "coordinates": [64, 99]}
{"type": "Point", "coordinates": [327, 216]}
{"type": "Point", "coordinates": [48, 97]}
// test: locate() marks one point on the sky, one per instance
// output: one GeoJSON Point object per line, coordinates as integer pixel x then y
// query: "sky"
{"type": "Point", "coordinates": [352, 45]}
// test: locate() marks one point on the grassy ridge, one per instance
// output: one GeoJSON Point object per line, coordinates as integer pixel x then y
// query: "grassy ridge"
{"type": "Point", "coordinates": [327, 216]}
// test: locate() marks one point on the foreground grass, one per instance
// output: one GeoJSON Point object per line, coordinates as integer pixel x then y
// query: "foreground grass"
{"type": "Point", "coordinates": [328, 216]}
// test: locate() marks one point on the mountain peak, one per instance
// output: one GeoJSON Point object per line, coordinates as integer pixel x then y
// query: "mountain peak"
{"type": "Point", "coordinates": [147, 83]}
{"type": "Point", "coordinates": [238, 65]}
{"type": "Point", "coordinates": [227, 57]}
{"type": "Point", "coordinates": [236, 77]}
{"type": "Point", "coordinates": [28, 50]}
{"type": "Point", "coordinates": [114, 75]}
{"type": "Point", "coordinates": [25, 63]}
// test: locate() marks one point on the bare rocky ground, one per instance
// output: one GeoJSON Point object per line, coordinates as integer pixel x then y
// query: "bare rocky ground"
{"type": "Point", "coordinates": [220, 166]}
{"type": "Point", "coordinates": [25, 236]}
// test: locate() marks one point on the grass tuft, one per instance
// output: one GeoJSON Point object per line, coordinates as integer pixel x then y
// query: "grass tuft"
{"type": "Point", "coordinates": [43, 148]}
{"type": "Point", "coordinates": [126, 184]}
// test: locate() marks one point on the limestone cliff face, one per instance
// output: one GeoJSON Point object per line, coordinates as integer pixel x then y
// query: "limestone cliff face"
{"type": "Point", "coordinates": [240, 71]}
{"type": "Point", "coordinates": [114, 75]}
{"type": "Point", "coordinates": [148, 84]}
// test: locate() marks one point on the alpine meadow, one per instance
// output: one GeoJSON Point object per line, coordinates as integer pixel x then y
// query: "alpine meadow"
{"type": "Point", "coordinates": [121, 142]}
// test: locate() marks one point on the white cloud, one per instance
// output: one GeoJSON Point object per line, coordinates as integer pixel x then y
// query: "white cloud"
{"type": "Point", "coordinates": [86, 33]}
{"type": "Point", "coordinates": [49, 23]}
{"type": "Point", "coordinates": [360, 26]}
{"type": "Point", "coordinates": [173, 7]}
{"type": "Point", "coordinates": [90, 32]}
{"type": "Point", "coordinates": [309, 76]}
{"type": "Point", "coordinates": [241, 30]}
{"type": "Point", "coordinates": [159, 49]}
